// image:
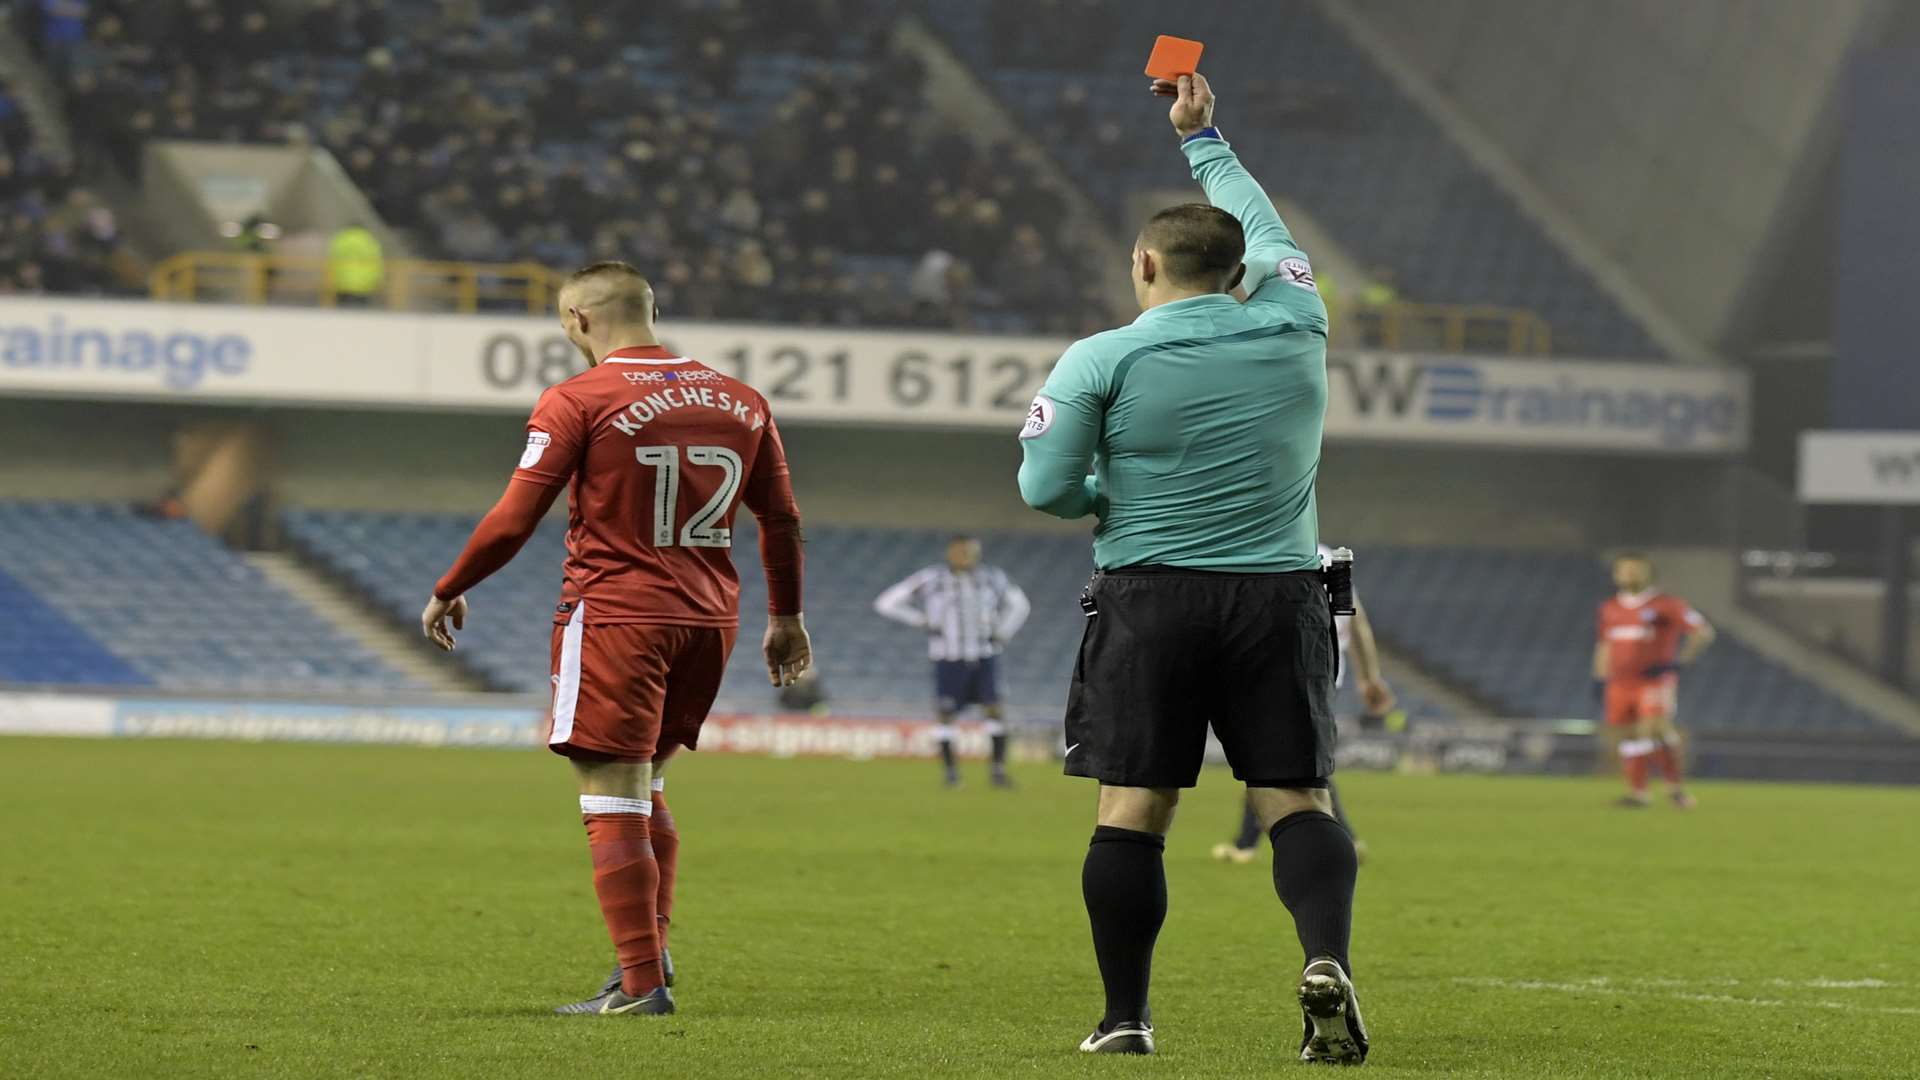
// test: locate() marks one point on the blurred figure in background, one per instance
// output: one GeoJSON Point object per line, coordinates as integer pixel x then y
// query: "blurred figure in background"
{"type": "Point", "coordinates": [969, 613]}
{"type": "Point", "coordinates": [357, 265]}
{"type": "Point", "coordinates": [1636, 673]}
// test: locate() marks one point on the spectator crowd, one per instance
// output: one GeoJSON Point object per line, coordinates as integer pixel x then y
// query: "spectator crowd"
{"type": "Point", "coordinates": [767, 163]}
{"type": "Point", "coordinates": [55, 236]}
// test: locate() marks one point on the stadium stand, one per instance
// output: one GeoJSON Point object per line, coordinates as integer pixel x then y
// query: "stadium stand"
{"type": "Point", "coordinates": [39, 645]}
{"type": "Point", "coordinates": [1320, 124]}
{"type": "Point", "coordinates": [55, 235]}
{"type": "Point", "coordinates": [808, 181]}
{"type": "Point", "coordinates": [100, 595]}
{"type": "Point", "coordinates": [777, 198]}
{"type": "Point", "coordinates": [868, 665]}
{"type": "Point", "coordinates": [1513, 627]}
{"type": "Point", "coordinates": [1517, 627]}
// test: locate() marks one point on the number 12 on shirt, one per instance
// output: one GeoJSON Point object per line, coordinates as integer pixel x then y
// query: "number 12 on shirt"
{"type": "Point", "coordinates": [703, 528]}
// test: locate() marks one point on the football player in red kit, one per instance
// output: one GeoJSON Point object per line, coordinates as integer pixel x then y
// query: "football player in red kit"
{"type": "Point", "coordinates": [1636, 664]}
{"type": "Point", "coordinates": [659, 451]}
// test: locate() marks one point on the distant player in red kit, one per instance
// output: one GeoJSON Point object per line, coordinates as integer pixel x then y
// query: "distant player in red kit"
{"type": "Point", "coordinates": [660, 451]}
{"type": "Point", "coordinates": [1636, 665]}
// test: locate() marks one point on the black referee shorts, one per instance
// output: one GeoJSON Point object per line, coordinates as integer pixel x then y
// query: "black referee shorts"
{"type": "Point", "coordinates": [1170, 651]}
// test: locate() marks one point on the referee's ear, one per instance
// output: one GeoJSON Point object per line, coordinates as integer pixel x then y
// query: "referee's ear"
{"type": "Point", "coordinates": [1239, 273]}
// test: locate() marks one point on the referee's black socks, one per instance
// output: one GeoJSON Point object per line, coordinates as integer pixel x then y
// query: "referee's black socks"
{"type": "Point", "coordinates": [1313, 870]}
{"type": "Point", "coordinates": [1125, 886]}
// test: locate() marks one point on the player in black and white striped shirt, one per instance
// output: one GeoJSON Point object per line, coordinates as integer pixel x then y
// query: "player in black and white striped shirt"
{"type": "Point", "coordinates": [969, 612]}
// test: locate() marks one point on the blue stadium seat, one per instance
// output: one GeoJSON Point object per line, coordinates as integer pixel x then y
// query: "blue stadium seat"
{"type": "Point", "coordinates": [161, 603]}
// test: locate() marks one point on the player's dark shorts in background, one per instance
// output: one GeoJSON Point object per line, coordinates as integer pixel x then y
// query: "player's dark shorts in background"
{"type": "Point", "coordinates": [1169, 651]}
{"type": "Point", "coordinates": [960, 683]}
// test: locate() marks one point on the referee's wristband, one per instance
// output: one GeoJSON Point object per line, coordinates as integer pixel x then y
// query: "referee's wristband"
{"type": "Point", "coordinates": [1208, 132]}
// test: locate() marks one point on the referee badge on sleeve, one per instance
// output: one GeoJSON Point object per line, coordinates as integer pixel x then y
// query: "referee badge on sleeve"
{"type": "Point", "coordinates": [1039, 417]}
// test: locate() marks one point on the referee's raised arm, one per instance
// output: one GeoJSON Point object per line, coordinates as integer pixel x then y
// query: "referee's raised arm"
{"type": "Point", "coordinates": [1272, 256]}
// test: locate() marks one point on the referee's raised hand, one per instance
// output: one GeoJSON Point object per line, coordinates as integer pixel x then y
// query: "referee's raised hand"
{"type": "Point", "coordinates": [1192, 102]}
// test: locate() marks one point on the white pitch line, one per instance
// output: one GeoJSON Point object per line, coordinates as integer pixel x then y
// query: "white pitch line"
{"type": "Point", "coordinates": [1840, 984]}
{"type": "Point", "coordinates": [1608, 986]}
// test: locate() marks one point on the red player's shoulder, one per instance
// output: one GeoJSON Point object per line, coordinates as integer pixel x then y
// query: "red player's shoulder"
{"type": "Point", "coordinates": [582, 384]}
{"type": "Point", "coordinates": [1674, 605]}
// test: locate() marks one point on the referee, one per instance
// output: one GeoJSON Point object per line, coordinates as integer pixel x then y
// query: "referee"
{"type": "Point", "coordinates": [1201, 421]}
{"type": "Point", "coordinates": [969, 612]}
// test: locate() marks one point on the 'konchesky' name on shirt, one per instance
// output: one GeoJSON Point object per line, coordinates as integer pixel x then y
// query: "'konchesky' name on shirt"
{"type": "Point", "coordinates": [638, 413]}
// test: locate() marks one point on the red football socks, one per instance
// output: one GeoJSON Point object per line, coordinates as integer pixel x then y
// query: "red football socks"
{"type": "Point", "coordinates": [627, 880]}
{"type": "Point", "coordinates": [1667, 757]}
{"type": "Point", "coordinates": [666, 853]}
{"type": "Point", "coordinates": [1633, 765]}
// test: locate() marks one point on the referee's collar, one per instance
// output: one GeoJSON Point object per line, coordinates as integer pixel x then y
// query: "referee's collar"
{"type": "Point", "coordinates": [1191, 303]}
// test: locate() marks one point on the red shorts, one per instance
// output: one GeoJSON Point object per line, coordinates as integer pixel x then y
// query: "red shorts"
{"type": "Point", "coordinates": [627, 691]}
{"type": "Point", "coordinates": [1628, 702]}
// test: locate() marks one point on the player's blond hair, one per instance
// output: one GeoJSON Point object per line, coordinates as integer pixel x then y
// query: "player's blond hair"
{"type": "Point", "coordinates": [1631, 555]}
{"type": "Point", "coordinates": [613, 288]}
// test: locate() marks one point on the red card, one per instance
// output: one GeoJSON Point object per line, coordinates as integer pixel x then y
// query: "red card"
{"type": "Point", "coordinates": [1173, 57]}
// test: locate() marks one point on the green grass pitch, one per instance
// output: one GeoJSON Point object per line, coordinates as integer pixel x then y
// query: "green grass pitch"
{"type": "Point", "coordinates": [223, 910]}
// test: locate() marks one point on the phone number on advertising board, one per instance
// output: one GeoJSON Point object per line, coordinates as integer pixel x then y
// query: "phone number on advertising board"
{"type": "Point", "coordinates": [908, 378]}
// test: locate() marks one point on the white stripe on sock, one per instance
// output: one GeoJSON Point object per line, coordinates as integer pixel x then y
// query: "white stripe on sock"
{"type": "Point", "coordinates": [614, 804]}
{"type": "Point", "coordinates": [659, 783]}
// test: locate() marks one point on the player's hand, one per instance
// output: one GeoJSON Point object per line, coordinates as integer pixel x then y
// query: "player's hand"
{"type": "Point", "coordinates": [1192, 102]}
{"type": "Point", "coordinates": [1377, 696]}
{"type": "Point", "coordinates": [788, 650]}
{"type": "Point", "coordinates": [433, 621]}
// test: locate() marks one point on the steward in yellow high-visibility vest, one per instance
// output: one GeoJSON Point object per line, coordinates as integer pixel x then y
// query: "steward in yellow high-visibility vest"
{"type": "Point", "coordinates": [357, 264]}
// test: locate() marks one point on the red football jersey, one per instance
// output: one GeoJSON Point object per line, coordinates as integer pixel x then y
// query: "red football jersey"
{"type": "Point", "coordinates": [660, 452]}
{"type": "Point", "coordinates": [1643, 630]}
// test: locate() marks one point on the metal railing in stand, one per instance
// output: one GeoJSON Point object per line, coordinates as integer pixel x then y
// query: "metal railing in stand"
{"type": "Point", "coordinates": [237, 277]}
{"type": "Point", "coordinates": [1453, 328]}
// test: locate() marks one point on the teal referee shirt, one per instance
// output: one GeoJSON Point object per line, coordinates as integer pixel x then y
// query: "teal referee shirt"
{"type": "Point", "coordinates": [1201, 419]}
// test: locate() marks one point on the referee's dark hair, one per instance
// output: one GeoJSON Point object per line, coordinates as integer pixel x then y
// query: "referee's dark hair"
{"type": "Point", "coordinates": [1200, 246]}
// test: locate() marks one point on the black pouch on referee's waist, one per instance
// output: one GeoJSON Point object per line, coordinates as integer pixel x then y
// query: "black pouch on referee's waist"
{"type": "Point", "coordinates": [1337, 576]}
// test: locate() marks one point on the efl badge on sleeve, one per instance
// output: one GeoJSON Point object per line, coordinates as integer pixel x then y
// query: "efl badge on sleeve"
{"type": "Point", "coordinates": [1039, 417]}
{"type": "Point", "coordinates": [1298, 272]}
{"type": "Point", "coordinates": [536, 445]}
